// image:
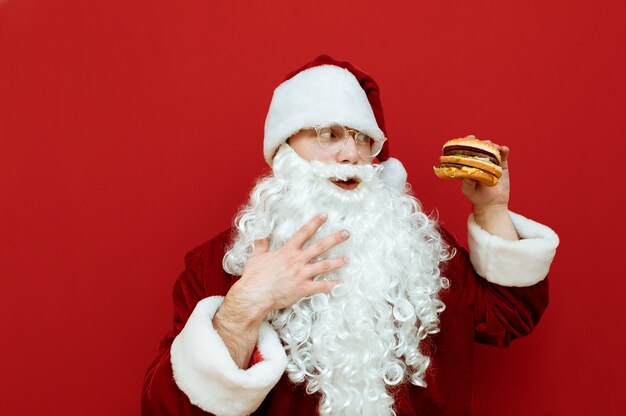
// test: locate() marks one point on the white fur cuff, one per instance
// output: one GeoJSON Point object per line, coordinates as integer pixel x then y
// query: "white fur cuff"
{"type": "Point", "coordinates": [205, 371]}
{"type": "Point", "coordinates": [512, 263]}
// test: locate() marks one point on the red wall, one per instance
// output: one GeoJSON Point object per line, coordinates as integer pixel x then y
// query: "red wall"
{"type": "Point", "coordinates": [131, 131]}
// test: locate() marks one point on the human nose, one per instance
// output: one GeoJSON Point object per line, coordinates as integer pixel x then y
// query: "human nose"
{"type": "Point", "coordinates": [348, 153]}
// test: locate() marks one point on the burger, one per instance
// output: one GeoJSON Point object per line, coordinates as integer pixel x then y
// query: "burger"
{"type": "Point", "coordinates": [470, 158]}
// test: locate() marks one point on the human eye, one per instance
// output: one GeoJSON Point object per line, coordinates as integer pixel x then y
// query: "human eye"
{"type": "Point", "coordinates": [363, 139]}
{"type": "Point", "coordinates": [337, 133]}
{"type": "Point", "coordinates": [325, 133]}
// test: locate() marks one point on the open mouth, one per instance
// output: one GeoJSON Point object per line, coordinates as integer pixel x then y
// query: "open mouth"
{"type": "Point", "coordinates": [348, 184]}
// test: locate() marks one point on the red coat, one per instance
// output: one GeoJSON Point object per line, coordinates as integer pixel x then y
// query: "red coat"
{"type": "Point", "coordinates": [476, 310]}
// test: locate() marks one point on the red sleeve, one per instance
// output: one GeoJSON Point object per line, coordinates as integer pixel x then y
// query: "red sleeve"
{"type": "Point", "coordinates": [203, 276]}
{"type": "Point", "coordinates": [501, 313]}
{"type": "Point", "coordinates": [256, 358]}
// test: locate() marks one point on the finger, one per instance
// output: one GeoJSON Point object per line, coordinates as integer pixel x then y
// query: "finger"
{"type": "Point", "coordinates": [494, 144]}
{"type": "Point", "coordinates": [325, 244]}
{"type": "Point", "coordinates": [468, 185]}
{"type": "Point", "coordinates": [471, 136]}
{"type": "Point", "coordinates": [260, 247]}
{"type": "Point", "coordinates": [325, 266]}
{"type": "Point", "coordinates": [321, 286]}
{"type": "Point", "coordinates": [307, 230]}
{"type": "Point", "coordinates": [504, 153]}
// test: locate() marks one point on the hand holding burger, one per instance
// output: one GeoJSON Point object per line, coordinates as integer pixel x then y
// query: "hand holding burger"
{"type": "Point", "coordinates": [491, 202]}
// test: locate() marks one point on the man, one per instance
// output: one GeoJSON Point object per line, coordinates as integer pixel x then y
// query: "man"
{"type": "Point", "coordinates": [334, 293]}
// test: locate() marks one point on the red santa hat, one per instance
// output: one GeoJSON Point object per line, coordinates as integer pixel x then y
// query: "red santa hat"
{"type": "Point", "coordinates": [322, 91]}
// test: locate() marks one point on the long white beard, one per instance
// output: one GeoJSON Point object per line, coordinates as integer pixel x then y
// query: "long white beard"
{"type": "Point", "coordinates": [351, 344]}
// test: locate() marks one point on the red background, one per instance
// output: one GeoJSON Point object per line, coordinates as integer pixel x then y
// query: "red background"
{"type": "Point", "coordinates": [130, 132]}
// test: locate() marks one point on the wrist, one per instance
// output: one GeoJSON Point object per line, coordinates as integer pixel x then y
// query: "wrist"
{"type": "Point", "coordinates": [482, 211]}
{"type": "Point", "coordinates": [495, 219]}
{"type": "Point", "coordinates": [238, 331]}
{"type": "Point", "coordinates": [238, 314]}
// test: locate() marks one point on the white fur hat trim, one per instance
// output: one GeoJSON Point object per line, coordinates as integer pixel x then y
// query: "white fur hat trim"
{"type": "Point", "coordinates": [317, 95]}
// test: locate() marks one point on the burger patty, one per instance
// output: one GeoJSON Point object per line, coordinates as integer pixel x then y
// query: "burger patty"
{"type": "Point", "coordinates": [456, 165]}
{"type": "Point", "coordinates": [470, 152]}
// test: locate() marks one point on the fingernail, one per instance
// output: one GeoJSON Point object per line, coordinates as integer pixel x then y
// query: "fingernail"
{"type": "Point", "coordinates": [345, 234]}
{"type": "Point", "coordinates": [345, 259]}
{"type": "Point", "coordinates": [323, 216]}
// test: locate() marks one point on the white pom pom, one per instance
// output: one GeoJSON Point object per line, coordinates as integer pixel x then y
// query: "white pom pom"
{"type": "Point", "coordinates": [394, 174]}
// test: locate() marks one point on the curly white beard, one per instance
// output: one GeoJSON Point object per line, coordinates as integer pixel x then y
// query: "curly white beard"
{"type": "Point", "coordinates": [351, 344]}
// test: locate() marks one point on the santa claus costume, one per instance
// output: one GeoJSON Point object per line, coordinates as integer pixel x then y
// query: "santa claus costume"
{"type": "Point", "coordinates": [396, 337]}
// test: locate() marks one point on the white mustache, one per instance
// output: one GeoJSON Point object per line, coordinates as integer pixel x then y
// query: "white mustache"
{"type": "Point", "coordinates": [343, 172]}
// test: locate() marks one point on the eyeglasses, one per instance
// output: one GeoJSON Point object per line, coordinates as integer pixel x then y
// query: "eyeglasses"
{"type": "Point", "coordinates": [333, 137]}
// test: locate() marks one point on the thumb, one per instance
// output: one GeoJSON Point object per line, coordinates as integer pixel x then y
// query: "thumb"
{"type": "Point", "coordinates": [260, 247]}
{"type": "Point", "coordinates": [468, 187]}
